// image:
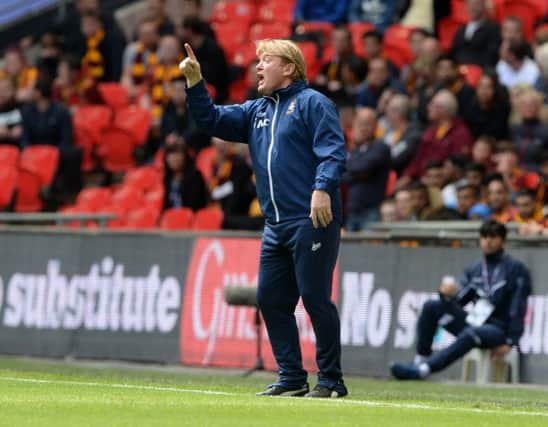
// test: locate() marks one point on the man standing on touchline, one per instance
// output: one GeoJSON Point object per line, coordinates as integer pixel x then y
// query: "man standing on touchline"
{"type": "Point", "coordinates": [298, 152]}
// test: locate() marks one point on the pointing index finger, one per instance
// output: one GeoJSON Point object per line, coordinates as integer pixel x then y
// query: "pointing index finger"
{"type": "Point", "coordinates": [190, 52]}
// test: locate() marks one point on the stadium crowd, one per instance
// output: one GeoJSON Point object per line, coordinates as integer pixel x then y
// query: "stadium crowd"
{"type": "Point", "coordinates": [444, 106]}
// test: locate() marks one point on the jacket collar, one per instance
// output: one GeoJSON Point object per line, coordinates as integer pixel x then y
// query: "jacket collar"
{"type": "Point", "coordinates": [292, 89]}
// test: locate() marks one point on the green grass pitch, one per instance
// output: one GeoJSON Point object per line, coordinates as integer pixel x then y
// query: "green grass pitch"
{"type": "Point", "coordinates": [47, 393]}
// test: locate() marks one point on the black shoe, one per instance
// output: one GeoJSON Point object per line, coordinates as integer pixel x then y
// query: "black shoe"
{"type": "Point", "coordinates": [403, 371]}
{"type": "Point", "coordinates": [328, 393]}
{"type": "Point", "coordinates": [278, 390]}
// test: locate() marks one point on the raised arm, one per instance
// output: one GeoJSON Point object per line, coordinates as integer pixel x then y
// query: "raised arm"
{"type": "Point", "coordinates": [227, 122]}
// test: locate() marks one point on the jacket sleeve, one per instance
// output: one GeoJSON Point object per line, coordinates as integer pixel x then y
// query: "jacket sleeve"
{"type": "Point", "coordinates": [327, 142]}
{"type": "Point", "coordinates": [466, 292]}
{"type": "Point", "coordinates": [518, 304]}
{"type": "Point", "coordinates": [228, 122]}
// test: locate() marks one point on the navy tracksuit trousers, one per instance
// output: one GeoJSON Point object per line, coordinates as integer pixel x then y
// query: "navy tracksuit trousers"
{"type": "Point", "coordinates": [297, 260]}
{"type": "Point", "coordinates": [452, 318]}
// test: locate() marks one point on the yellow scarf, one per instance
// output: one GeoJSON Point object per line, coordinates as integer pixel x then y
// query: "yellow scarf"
{"type": "Point", "coordinates": [93, 59]}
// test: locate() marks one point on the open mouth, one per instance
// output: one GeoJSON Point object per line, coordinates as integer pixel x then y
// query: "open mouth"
{"type": "Point", "coordinates": [260, 80]}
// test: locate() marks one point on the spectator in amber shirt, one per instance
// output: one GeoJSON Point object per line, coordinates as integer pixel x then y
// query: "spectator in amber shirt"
{"type": "Point", "coordinates": [446, 135]}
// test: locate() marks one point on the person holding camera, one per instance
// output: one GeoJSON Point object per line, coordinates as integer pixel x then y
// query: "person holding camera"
{"type": "Point", "coordinates": [497, 286]}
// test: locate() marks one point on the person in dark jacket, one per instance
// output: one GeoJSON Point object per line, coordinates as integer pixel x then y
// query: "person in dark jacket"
{"type": "Point", "coordinates": [46, 122]}
{"type": "Point", "coordinates": [298, 154]}
{"type": "Point", "coordinates": [367, 169]}
{"type": "Point", "coordinates": [477, 42]}
{"type": "Point", "coordinates": [498, 286]}
{"type": "Point", "coordinates": [378, 79]}
{"type": "Point", "coordinates": [489, 110]}
{"type": "Point", "coordinates": [184, 185]}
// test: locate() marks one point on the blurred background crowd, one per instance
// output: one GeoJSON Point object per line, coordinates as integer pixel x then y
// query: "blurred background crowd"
{"type": "Point", "coordinates": [444, 105]}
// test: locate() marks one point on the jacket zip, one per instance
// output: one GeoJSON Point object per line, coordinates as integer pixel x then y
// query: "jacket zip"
{"type": "Point", "coordinates": [269, 160]}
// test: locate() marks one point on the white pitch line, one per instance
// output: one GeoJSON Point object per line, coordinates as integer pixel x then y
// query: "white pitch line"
{"type": "Point", "coordinates": [345, 401]}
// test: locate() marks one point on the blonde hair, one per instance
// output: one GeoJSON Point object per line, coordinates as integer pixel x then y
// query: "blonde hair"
{"type": "Point", "coordinates": [288, 51]}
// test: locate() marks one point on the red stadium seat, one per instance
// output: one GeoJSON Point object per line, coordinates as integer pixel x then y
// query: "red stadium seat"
{"type": "Point", "coordinates": [313, 64]}
{"type": "Point", "coordinates": [274, 30]}
{"type": "Point", "coordinates": [8, 183]}
{"type": "Point", "coordinates": [9, 155]}
{"type": "Point", "coordinates": [208, 219]}
{"type": "Point", "coordinates": [92, 117]}
{"type": "Point", "coordinates": [472, 73]}
{"type": "Point", "coordinates": [230, 36]}
{"type": "Point", "coordinates": [42, 160]}
{"type": "Point", "coordinates": [127, 198]}
{"type": "Point", "coordinates": [244, 55]}
{"type": "Point", "coordinates": [204, 162]}
{"type": "Point", "coordinates": [135, 121]}
{"type": "Point", "coordinates": [145, 217]}
{"type": "Point", "coordinates": [155, 197]}
{"type": "Point", "coordinates": [396, 44]}
{"type": "Point", "coordinates": [277, 11]}
{"type": "Point", "coordinates": [459, 11]}
{"type": "Point", "coordinates": [159, 160]}
{"type": "Point", "coordinates": [177, 219]}
{"type": "Point", "coordinates": [116, 150]}
{"type": "Point", "coordinates": [144, 178]}
{"type": "Point", "coordinates": [447, 28]}
{"type": "Point", "coordinates": [93, 199]}
{"type": "Point", "coordinates": [392, 178]}
{"type": "Point", "coordinates": [357, 29]}
{"type": "Point", "coordinates": [114, 95]}
{"type": "Point", "coordinates": [239, 12]}
{"type": "Point", "coordinates": [28, 192]}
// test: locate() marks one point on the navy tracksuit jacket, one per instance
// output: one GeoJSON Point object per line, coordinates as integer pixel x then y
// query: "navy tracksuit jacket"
{"type": "Point", "coordinates": [296, 146]}
{"type": "Point", "coordinates": [506, 282]}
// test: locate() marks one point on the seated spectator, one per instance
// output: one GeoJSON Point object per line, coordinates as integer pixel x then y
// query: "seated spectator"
{"type": "Point", "coordinates": [404, 205]}
{"type": "Point", "coordinates": [102, 59]}
{"type": "Point", "coordinates": [474, 174]}
{"type": "Point", "coordinates": [164, 72]}
{"type": "Point", "coordinates": [527, 209]}
{"type": "Point", "coordinates": [446, 135]}
{"type": "Point", "coordinates": [212, 58]}
{"type": "Point", "coordinates": [367, 169]}
{"type": "Point", "coordinates": [231, 185]}
{"type": "Point", "coordinates": [498, 199]}
{"type": "Point", "coordinates": [448, 76]}
{"type": "Point", "coordinates": [496, 321]}
{"type": "Point", "coordinates": [334, 11]}
{"type": "Point", "coordinates": [47, 122]}
{"type": "Point", "coordinates": [11, 118]}
{"type": "Point", "coordinates": [531, 136]}
{"type": "Point", "coordinates": [353, 72]}
{"type": "Point", "coordinates": [372, 44]}
{"type": "Point", "coordinates": [22, 75]}
{"type": "Point", "coordinates": [516, 178]}
{"type": "Point", "coordinates": [401, 136]}
{"type": "Point", "coordinates": [329, 79]}
{"type": "Point", "coordinates": [477, 42]}
{"type": "Point", "coordinates": [433, 176]}
{"type": "Point", "coordinates": [453, 172]}
{"type": "Point", "coordinates": [48, 55]}
{"type": "Point", "coordinates": [69, 30]}
{"type": "Point", "coordinates": [71, 87]}
{"type": "Point", "coordinates": [193, 9]}
{"type": "Point", "coordinates": [541, 57]}
{"type": "Point", "coordinates": [156, 10]}
{"type": "Point", "coordinates": [389, 211]}
{"type": "Point", "coordinates": [489, 110]}
{"type": "Point", "coordinates": [421, 72]}
{"type": "Point", "coordinates": [427, 204]}
{"type": "Point", "coordinates": [482, 152]}
{"type": "Point", "coordinates": [379, 13]}
{"type": "Point", "coordinates": [468, 199]}
{"type": "Point", "coordinates": [378, 79]}
{"type": "Point", "coordinates": [511, 30]}
{"type": "Point", "coordinates": [515, 67]}
{"type": "Point", "coordinates": [183, 184]}
{"type": "Point", "coordinates": [140, 58]}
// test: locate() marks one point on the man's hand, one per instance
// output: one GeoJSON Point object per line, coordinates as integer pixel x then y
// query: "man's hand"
{"type": "Point", "coordinates": [320, 208]}
{"type": "Point", "coordinates": [500, 351]}
{"type": "Point", "coordinates": [190, 67]}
